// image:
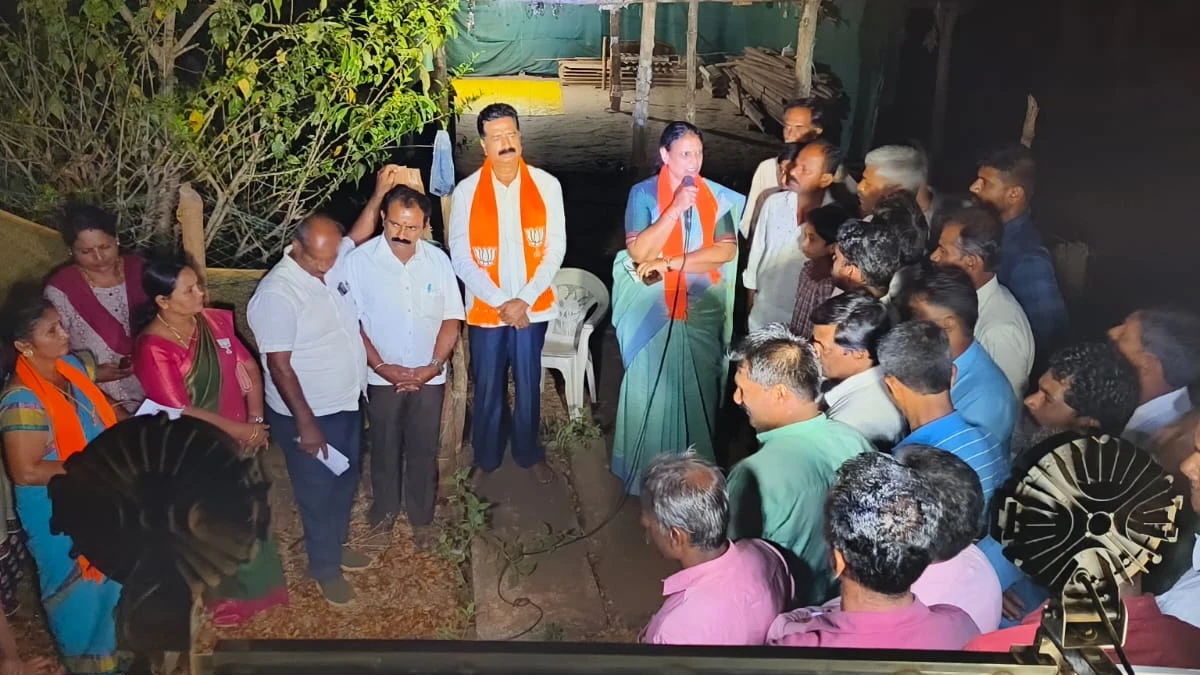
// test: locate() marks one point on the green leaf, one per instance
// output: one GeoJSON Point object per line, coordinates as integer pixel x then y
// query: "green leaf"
{"type": "Point", "coordinates": [424, 74]}
{"type": "Point", "coordinates": [278, 4]}
{"type": "Point", "coordinates": [257, 12]}
{"type": "Point", "coordinates": [54, 107]}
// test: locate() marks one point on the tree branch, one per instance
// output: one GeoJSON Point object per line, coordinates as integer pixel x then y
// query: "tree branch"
{"type": "Point", "coordinates": [181, 45]}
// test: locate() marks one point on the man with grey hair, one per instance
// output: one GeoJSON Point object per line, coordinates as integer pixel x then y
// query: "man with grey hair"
{"type": "Point", "coordinates": [882, 531]}
{"type": "Point", "coordinates": [727, 593]}
{"type": "Point", "coordinates": [778, 493]}
{"type": "Point", "coordinates": [894, 167]}
{"type": "Point", "coordinates": [1164, 347]}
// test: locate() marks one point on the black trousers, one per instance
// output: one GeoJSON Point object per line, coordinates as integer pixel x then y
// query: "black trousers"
{"type": "Point", "coordinates": [405, 429]}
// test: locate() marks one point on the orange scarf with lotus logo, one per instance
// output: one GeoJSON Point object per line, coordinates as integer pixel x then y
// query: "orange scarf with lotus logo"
{"type": "Point", "coordinates": [484, 237]}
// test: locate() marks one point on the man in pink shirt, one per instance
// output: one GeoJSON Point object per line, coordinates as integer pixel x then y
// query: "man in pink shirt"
{"type": "Point", "coordinates": [960, 573]}
{"type": "Point", "coordinates": [881, 525]}
{"type": "Point", "coordinates": [727, 593]}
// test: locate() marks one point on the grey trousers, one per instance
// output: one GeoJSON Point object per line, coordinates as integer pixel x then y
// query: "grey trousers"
{"type": "Point", "coordinates": [405, 429]}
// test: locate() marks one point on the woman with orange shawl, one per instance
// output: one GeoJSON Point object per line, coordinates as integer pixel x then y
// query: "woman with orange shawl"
{"type": "Point", "coordinates": [673, 307]}
{"type": "Point", "coordinates": [50, 409]}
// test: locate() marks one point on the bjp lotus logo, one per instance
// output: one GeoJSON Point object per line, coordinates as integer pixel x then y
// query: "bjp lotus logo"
{"type": "Point", "coordinates": [535, 237]}
{"type": "Point", "coordinates": [485, 255]}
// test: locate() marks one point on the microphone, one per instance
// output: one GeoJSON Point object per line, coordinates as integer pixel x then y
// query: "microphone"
{"type": "Point", "coordinates": [688, 181]}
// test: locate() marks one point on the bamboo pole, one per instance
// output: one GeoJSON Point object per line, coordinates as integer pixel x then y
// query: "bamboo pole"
{"type": "Point", "coordinates": [645, 70]}
{"type": "Point", "coordinates": [946, 16]}
{"type": "Point", "coordinates": [806, 40]}
{"type": "Point", "coordinates": [693, 21]}
{"type": "Point", "coordinates": [454, 404]}
{"type": "Point", "coordinates": [614, 58]}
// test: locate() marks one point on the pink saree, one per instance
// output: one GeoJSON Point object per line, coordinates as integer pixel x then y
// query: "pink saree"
{"type": "Point", "coordinates": [210, 374]}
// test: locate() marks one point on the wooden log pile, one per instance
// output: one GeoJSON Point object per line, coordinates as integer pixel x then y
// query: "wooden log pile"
{"type": "Point", "coordinates": [668, 71]}
{"type": "Point", "coordinates": [761, 82]}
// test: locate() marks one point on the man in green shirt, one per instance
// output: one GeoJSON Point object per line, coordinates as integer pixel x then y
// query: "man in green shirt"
{"type": "Point", "coordinates": [778, 493]}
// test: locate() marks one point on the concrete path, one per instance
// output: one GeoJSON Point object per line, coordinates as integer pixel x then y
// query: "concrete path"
{"type": "Point", "coordinates": [605, 587]}
{"type": "Point", "coordinates": [543, 595]}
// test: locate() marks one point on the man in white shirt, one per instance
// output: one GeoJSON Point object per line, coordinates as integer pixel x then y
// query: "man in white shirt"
{"type": "Point", "coordinates": [1164, 347]}
{"type": "Point", "coordinates": [306, 324]}
{"type": "Point", "coordinates": [507, 241]}
{"type": "Point", "coordinates": [410, 311]}
{"type": "Point", "coordinates": [1183, 599]}
{"type": "Point", "coordinates": [772, 273]}
{"type": "Point", "coordinates": [846, 331]}
{"type": "Point", "coordinates": [803, 121]}
{"type": "Point", "coordinates": [970, 241]}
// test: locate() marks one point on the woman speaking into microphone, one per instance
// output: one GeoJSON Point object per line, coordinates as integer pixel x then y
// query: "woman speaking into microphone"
{"type": "Point", "coordinates": [673, 306]}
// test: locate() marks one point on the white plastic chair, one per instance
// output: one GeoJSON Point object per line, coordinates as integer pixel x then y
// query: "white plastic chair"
{"type": "Point", "coordinates": [582, 301]}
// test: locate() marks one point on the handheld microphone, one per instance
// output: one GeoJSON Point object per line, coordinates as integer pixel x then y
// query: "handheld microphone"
{"type": "Point", "coordinates": [688, 181]}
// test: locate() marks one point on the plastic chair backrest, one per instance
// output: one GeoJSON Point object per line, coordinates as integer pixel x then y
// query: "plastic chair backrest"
{"type": "Point", "coordinates": [581, 296]}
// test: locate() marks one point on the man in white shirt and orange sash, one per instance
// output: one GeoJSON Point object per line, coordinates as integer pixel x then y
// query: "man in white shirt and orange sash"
{"type": "Point", "coordinates": [507, 240]}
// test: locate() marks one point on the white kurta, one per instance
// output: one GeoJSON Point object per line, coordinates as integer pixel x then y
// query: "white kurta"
{"type": "Point", "coordinates": [511, 254]}
{"type": "Point", "coordinates": [775, 263]}
{"type": "Point", "coordinates": [1005, 334]}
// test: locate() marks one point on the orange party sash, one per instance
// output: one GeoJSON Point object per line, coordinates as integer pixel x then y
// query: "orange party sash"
{"type": "Point", "coordinates": [484, 237]}
{"type": "Point", "coordinates": [64, 419]}
{"type": "Point", "coordinates": [675, 281]}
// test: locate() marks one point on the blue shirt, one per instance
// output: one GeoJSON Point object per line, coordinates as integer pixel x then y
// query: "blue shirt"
{"type": "Point", "coordinates": [969, 443]}
{"type": "Point", "coordinates": [1027, 271]}
{"type": "Point", "coordinates": [983, 395]}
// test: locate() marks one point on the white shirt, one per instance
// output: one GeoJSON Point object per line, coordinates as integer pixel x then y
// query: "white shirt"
{"type": "Point", "coordinates": [766, 178]}
{"type": "Point", "coordinates": [401, 306]}
{"type": "Point", "coordinates": [862, 402]}
{"type": "Point", "coordinates": [511, 255]}
{"type": "Point", "coordinates": [1005, 334]}
{"type": "Point", "coordinates": [293, 311]}
{"type": "Point", "coordinates": [775, 262]}
{"type": "Point", "coordinates": [1155, 415]}
{"type": "Point", "coordinates": [1182, 601]}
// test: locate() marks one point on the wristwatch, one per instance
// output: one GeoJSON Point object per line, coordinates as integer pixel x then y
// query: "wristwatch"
{"type": "Point", "coordinates": [436, 364]}
{"type": "Point", "coordinates": [257, 420]}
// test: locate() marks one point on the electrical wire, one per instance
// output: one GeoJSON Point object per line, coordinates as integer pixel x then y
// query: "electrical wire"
{"type": "Point", "coordinates": [662, 361]}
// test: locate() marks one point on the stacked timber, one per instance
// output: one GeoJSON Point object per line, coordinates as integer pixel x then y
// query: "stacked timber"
{"type": "Point", "coordinates": [761, 82]}
{"type": "Point", "coordinates": [668, 71]}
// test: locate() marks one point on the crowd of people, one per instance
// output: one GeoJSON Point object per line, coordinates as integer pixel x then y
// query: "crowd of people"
{"type": "Point", "coordinates": [893, 331]}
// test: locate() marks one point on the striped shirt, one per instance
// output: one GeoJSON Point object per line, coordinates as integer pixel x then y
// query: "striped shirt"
{"type": "Point", "coordinates": [973, 445]}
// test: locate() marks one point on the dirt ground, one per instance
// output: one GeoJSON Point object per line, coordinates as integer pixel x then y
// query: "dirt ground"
{"type": "Point", "coordinates": [591, 139]}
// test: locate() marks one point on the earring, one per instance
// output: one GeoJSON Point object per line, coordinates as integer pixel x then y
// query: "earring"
{"type": "Point", "coordinates": [28, 353]}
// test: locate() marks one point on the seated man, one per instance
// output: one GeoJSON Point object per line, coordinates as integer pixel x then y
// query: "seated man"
{"type": "Point", "coordinates": [1164, 347]}
{"type": "Point", "coordinates": [846, 332]}
{"type": "Point", "coordinates": [881, 525]}
{"type": "Point", "coordinates": [1087, 388]}
{"type": "Point", "coordinates": [778, 493]}
{"type": "Point", "coordinates": [915, 358]}
{"type": "Point", "coordinates": [970, 241]}
{"type": "Point", "coordinates": [727, 593]}
{"type": "Point", "coordinates": [981, 393]}
{"type": "Point", "coordinates": [960, 574]}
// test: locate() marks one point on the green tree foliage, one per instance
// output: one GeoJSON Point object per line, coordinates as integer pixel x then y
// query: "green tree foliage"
{"type": "Point", "coordinates": [265, 112]}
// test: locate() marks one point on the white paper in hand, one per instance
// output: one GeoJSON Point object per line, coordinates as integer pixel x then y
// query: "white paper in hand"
{"type": "Point", "coordinates": [149, 407]}
{"type": "Point", "coordinates": [335, 462]}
